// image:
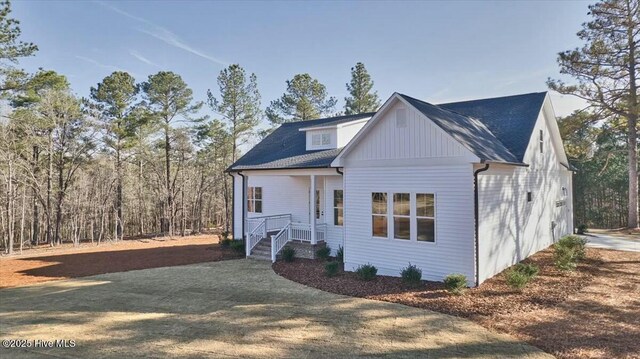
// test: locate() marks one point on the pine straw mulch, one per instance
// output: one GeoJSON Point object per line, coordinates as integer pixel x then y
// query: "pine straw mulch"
{"type": "Point", "coordinates": [593, 312]}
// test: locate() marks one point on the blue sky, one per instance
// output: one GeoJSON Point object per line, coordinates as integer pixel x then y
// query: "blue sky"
{"type": "Point", "coordinates": [435, 51]}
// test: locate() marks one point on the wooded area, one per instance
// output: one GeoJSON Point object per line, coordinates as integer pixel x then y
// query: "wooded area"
{"type": "Point", "coordinates": [134, 158]}
{"type": "Point", "coordinates": [148, 157]}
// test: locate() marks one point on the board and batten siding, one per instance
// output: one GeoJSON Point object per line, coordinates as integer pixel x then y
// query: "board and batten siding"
{"type": "Point", "coordinates": [510, 227]}
{"type": "Point", "coordinates": [410, 154]}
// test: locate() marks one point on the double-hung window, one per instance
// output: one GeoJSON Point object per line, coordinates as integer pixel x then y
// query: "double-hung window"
{"type": "Point", "coordinates": [254, 200]}
{"type": "Point", "coordinates": [379, 214]}
{"type": "Point", "coordinates": [426, 217]}
{"type": "Point", "coordinates": [402, 216]}
{"type": "Point", "coordinates": [338, 207]}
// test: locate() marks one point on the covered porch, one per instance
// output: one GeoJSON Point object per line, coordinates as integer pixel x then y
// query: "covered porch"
{"type": "Point", "coordinates": [295, 207]}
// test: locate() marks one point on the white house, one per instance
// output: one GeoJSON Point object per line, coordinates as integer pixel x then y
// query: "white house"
{"type": "Point", "coordinates": [469, 187]}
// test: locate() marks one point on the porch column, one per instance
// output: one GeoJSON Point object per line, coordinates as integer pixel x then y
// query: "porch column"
{"type": "Point", "coordinates": [312, 208]}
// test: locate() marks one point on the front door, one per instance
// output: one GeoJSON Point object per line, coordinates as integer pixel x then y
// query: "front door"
{"type": "Point", "coordinates": [319, 206]}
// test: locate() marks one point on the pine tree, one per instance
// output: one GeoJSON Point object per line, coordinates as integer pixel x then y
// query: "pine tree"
{"type": "Point", "coordinates": [362, 98]}
{"type": "Point", "coordinates": [305, 99]}
{"type": "Point", "coordinates": [606, 70]}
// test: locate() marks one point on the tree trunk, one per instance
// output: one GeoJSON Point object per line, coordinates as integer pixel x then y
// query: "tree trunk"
{"type": "Point", "coordinates": [36, 170]}
{"type": "Point", "coordinates": [49, 175]}
{"type": "Point", "coordinates": [167, 147]}
{"type": "Point", "coordinates": [58, 238]}
{"type": "Point", "coordinates": [632, 121]}
{"type": "Point", "coordinates": [119, 230]}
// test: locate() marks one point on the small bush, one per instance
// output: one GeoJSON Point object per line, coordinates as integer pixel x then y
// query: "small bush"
{"type": "Point", "coordinates": [226, 242]}
{"type": "Point", "coordinates": [331, 269]}
{"type": "Point", "coordinates": [340, 254]}
{"type": "Point", "coordinates": [517, 279]}
{"type": "Point", "coordinates": [530, 270]}
{"type": "Point", "coordinates": [564, 257]}
{"type": "Point", "coordinates": [582, 229]}
{"type": "Point", "coordinates": [455, 283]}
{"type": "Point", "coordinates": [288, 254]}
{"type": "Point", "coordinates": [323, 253]}
{"type": "Point", "coordinates": [237, 246]}
{"type": "Point", "coordinates": [412, 275]}
{"type": "Point", "coordinates": [367, 272]}
{"type": "Point", "coordinates": [576, 243]}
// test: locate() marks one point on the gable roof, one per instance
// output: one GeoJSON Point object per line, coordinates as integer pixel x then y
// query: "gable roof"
{"type": "Point", "coordinates": [469, 131]}
{"type": "Point", "coordinates": [510, 119]}
{"type": "Point", "coordinates": [286, 147]}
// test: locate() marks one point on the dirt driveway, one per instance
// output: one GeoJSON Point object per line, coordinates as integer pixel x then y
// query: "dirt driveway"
{"type": "Point", "coordinates": [236, 308]}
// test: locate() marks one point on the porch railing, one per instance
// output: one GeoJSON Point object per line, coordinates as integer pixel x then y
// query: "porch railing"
{"type": "Point", "coordinates": [279, 240]}
{"type": "Point", "coordinates": [259, 231]}
{"type": "Point", "coordinates": [302, 231]}
{"type": "Point", "coordinates": [273, 223]}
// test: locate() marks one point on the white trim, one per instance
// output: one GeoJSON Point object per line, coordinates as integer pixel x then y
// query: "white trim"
{"type": "Point", "coordinates": [340, 125]}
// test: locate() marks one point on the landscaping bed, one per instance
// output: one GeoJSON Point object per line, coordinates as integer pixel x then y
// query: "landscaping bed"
{"type": "Point", "coordinates": [591, 312]}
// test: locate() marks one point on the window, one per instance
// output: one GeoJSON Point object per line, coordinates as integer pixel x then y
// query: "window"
{"type": "Point", "coordinates": [379, 214]}
{"type": "Point", "coordinates": [254, 200]}
{"type": "Point", "coordinates": [315, 140]}
{"type": "Point", "coordinates": [338, 207]}
{"type": "Point", "coordinates": [541, 141]}
{"type": "Point", "coordinates": [401, 216]}
{"type": "Point", "coordinates": [529, 196]}
{"type": "Point", "coordinates": [426, 217]}
{"type": "Point", "coordinates": [326, 139]}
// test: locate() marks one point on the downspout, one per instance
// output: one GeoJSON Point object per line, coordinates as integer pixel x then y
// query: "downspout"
{"type": "Point", "coordinates": [339, 172]}
{"type": "Point", "coordinates": [233, 200]}
{"type": "Point", "coordinates": [475, 214]}
{"type": "Point", "coordinates": [243, 204]}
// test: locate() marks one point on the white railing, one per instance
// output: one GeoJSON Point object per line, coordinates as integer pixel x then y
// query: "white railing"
{"type": "Point", "coordinates": [279, 240]}
{"type": "Point", "coordinates": [273, 223]}
{"type": "Point", "coordinates": [259, 231]}
{"type": "Point", "coordinates": [302, 231]}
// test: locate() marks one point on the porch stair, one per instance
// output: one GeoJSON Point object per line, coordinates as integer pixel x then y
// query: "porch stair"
{"type": "Point", "coordinates": [262, 250]}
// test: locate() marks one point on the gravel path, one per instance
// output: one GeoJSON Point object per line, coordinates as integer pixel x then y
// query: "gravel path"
{"type": "Point", "coordinates": [236, 308]}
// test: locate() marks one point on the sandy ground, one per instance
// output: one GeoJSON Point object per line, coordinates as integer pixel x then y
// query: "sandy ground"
{"type": "Point", "coordinates": [60, 263]}
{"type": "Point", "coordinates": [236, 308]}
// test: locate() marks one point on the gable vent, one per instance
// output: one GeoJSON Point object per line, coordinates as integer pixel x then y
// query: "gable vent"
{"type": "Point", "coordinates": [401, 118]}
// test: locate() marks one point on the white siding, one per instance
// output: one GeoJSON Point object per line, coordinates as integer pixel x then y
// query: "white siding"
{"type": "Point", "coordinates": [348, 131]}
{"type": "Point", "coordinates": [238, 201]}
{"type": "Point", "coordinates": [453, 250]}
{"type": "Point", "coordinates": [282, 195]}
{"type": "Point", "coordinates": [510, 228]}
{"type": "Point", "coordinates": [419, 138]}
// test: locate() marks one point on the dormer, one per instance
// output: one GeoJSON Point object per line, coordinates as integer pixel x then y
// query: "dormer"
{"type": "Point", "coordinates": [332, 135]}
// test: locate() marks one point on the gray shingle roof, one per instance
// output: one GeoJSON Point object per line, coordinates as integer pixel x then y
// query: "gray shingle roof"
{"type": "Point", "coordinates": [511, 119]}
{"type": "Point", "coordinates": [286, 147]}
{"type": "Point", "coordinates": [470, 132]}
{"type": "Point", "coordinates": [495, 129]}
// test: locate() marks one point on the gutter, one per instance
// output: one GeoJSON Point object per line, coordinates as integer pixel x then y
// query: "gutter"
{"type": "Point", "coordinates": [475, 214]}
{"type": "Point", "coordinates": [243, 203]}
{"type": "Point", "coordinates": [339, 172]}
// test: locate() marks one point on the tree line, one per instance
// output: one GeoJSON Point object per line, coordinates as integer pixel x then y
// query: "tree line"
{"type": "Point", "coordinates": [133, 158]}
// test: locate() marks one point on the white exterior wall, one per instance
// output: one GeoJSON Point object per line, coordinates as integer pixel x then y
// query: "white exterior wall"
{"type": "Point", "coordinates": [335, 235]}
{"type": "Point", "coordinates": [510, 228]}
{"type": "Point", "coordinates": [453, 250]}
{"type": "Point", "coordinates": [417, 157]}
{"type": "Point", "coordinates": [348, 131]}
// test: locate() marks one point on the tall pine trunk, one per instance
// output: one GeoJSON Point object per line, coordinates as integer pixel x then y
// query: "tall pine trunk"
{"type": "Point", "coordinates": [167, 147]}
{"type": "Point", "coordinates": [632, 122]}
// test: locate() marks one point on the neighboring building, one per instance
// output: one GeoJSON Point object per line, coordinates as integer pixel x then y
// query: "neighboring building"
{"type": "Point", "coordinates": [469, 187]}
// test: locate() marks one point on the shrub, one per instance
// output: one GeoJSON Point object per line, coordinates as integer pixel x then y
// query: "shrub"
{"type": "Point", "coordinates": [323, 253]}
{"type": "Point", "coordinates": [367, 272]}
{"type": "Point", "coordinates": [226, 242]}
{"type": "Point", "coordinates": [331, 269]}
{"type": "Point", "coordinates": [517, 279]}
{"type": "Point", "coordinates": [576, 243]}
{"type": "Point", "coordinates": [237, 246]}
{"type": "Point", "coordinates": [582, 228]}
{"type": "Point", "coordinates": [455, 283]}
{"type": "Point", "coordinates": [288, 254]}
{"type": "Point", "coordinates": [412, 275]}
{"type": "Point", "coordinates": [564, 257]}
{"type": "Point", "coordinates": [340, 254]}
{"type": "Point", "coordinates": [530, 270]}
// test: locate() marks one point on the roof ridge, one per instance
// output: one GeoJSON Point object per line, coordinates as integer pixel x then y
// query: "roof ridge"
{"type": "Point", "coordinates": [493, 98]}
{"type": "Point", "coordinates": [334, 118]}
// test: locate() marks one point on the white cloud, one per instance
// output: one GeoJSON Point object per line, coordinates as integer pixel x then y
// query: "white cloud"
{"type": "Point", "coordinates": [144, 59]}
{"type": "Point", "coordinates": [163, 34]}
